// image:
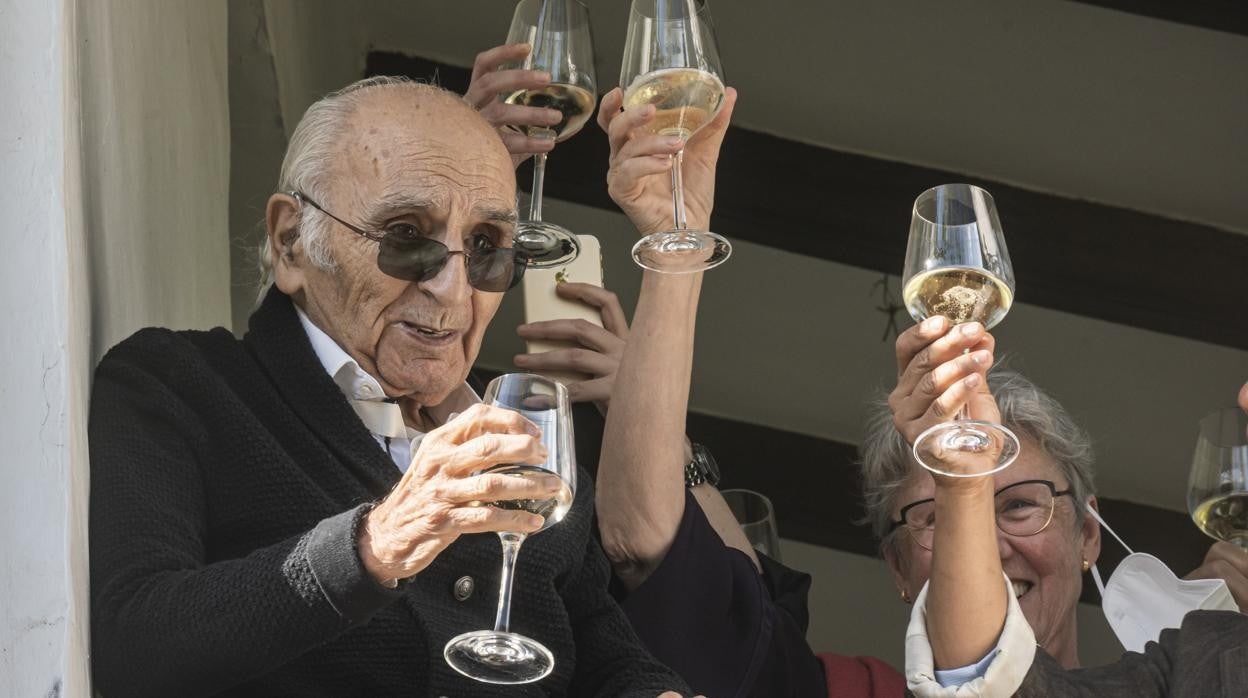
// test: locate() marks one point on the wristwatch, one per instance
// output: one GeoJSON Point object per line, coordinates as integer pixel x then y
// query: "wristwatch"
{"type": "Point", "coordinates": [702, 468]}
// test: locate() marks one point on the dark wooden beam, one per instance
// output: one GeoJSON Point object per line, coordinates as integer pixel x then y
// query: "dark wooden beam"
{"type": "Point", "coordinates": [1099, 261]}
{"type": "Point", "coordinates": [1229, 16]}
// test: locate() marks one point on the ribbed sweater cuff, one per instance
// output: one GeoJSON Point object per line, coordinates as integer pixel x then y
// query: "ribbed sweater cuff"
{"type": "Point", "coordinates": [334, 558]}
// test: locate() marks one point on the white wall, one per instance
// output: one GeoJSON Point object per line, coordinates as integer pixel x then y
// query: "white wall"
{"type": "Point", "coordinates": [156, 148]}
{"type": "Point", "coordinates": [43, 615]}
{"type": "Point", "coordinates": [114, 166]}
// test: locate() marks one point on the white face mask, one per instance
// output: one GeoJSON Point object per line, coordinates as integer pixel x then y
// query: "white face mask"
{"type": "Point", "coordinates": [1144, 597]}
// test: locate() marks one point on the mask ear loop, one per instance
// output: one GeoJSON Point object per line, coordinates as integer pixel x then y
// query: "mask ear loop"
{"type": "Point", "coordinates": [1096, 574]}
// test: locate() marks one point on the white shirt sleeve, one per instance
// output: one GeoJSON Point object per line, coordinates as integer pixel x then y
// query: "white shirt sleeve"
{"type": "Point", "coordinates": [999, 674]}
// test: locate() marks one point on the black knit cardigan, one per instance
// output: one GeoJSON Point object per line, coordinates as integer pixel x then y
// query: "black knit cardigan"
{"type": "Point", "coordinates": [227, 480]}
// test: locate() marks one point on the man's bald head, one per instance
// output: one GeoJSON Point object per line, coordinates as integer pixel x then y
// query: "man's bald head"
{"type": "Point", "coordinates": [341, 124]}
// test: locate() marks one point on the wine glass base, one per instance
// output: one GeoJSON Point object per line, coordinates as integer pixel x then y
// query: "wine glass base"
{"type": "Point", "coordinates": [681, 251]}
{"type": "Point", "coordinates": [547, 245]}
{"type": "Point", "coordinates": [971, 448]}
{"type": "Point", "coordinates": [499, 658]}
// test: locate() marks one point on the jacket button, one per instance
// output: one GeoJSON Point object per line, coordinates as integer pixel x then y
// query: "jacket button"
{"type": "Point", "coordinates": [464, 587]}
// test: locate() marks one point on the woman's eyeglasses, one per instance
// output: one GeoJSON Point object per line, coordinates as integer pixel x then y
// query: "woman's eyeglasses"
{"type": "Point", "coordinates": [410, 257]}
{"type": "Point", "coordinates": [1023, 509]}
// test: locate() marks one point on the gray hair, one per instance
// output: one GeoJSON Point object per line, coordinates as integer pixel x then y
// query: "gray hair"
{"type": "Point", "coordinates": [308, 164]}
{"type": "Point", "coordinates": [887, 463]}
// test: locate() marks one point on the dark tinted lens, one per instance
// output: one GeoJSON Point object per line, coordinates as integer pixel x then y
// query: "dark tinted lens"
{"type": "Point", "coordinates": [496, 269]}
{"type": "Point", "coordinates": [411, 258]}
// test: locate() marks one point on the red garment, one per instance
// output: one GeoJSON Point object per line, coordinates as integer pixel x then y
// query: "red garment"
{"type": "Point", "coordinates": [861, 677]}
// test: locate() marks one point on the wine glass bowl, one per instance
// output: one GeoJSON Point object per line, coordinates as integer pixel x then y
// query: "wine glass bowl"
{"type": "Point", "coordinates": [562, 46]}
{"type": "Point", "coordinates": [500, 656]}
{"type": "Point", "coordinates": [671, 61]}
{"type": "Point", "coordinates": [1217, 492]}
{"type": "Point", "coordinates": [957, 266]}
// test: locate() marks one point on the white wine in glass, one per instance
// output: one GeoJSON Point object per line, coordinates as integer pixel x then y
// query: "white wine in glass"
{"type": "Point", "coordinates": [558, 31]}
{"type": "Point", "coordinates": [1217, 493]}
{"type": "Point", "coordinates": [685, 99]}
{"type": "Point", "coordinates": [957, 267]}
{"type": "Point", "coordinates": [671, 61]}
{"type": "Point", "coordinates": [501, 656]}
{"type": "Point", "coordinates": [575, 103]}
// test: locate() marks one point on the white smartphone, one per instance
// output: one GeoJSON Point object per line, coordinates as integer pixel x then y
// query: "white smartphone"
{"type": "Point", "coordinates": [542, 303]}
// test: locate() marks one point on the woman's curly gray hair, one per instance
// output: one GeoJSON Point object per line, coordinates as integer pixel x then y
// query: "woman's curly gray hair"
{"type": "Point", "coordinates": [887, 463]}
{"type": "Point", "coordinates": [309, 161]}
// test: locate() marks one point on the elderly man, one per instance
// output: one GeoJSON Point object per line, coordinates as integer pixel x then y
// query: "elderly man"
{"type": "Point", "coordinates": [285, 515]}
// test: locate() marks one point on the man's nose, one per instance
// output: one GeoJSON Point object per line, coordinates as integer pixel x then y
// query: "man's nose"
{"type": "Point", "coordinates": [450, 285]}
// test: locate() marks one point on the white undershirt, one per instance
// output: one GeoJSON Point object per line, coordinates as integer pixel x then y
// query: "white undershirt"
{"type": "Point", "coordinates": [356, 384]}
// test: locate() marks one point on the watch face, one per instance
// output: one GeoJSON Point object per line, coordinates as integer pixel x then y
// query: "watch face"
{"type": "Point", "coordinates": [706, 463]}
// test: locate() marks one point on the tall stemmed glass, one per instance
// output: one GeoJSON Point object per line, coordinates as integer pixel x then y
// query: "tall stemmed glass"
{"type": "Point", "coordinates": [957, 266]}
{"type": "Point", "coordinates": [558, 31]}
{"type": "Point", "coordinates": [1217, 490]}
{"type": "Point", "coordinates": [672, 62]}
{"type": "Point", "coordinates": [499, 655]}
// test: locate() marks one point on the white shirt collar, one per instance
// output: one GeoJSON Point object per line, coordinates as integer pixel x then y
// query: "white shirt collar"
{"type": "Point", "coordinates": [356, 384]}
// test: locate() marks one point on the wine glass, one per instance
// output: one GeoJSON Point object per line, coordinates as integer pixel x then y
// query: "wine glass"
{"type": "Point", "coordinates": [757, 518]}
{"type": "Point", "coordinates": [500, 656]}
{"type": "Point", "coordinates": [1217, 490]}
{"type": "Point", "coordinates": [558, 31]}
{"type": "Point", "coordinates": [957, 266]}
{"type": "Point", "coordinates": [671, 61]}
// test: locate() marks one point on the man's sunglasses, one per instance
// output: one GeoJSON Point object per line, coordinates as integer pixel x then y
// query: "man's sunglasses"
{"type": "Point", "coordinates": [418, 258]}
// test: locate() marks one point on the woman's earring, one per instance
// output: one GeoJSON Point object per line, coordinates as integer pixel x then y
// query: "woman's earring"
{"type": "Point", "coordinates": [905, 596]}
{"type": "Point", "coordinates": [1086, 565]}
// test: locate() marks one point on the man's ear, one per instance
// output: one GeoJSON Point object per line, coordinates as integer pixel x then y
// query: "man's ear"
{"type": "Point", "coordinates": [1090, 534]}
{"type": "Point", "coordinates": [281, 221]}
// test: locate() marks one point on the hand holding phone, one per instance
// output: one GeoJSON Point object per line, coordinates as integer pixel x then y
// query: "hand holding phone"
{"type": "Point", "coordinates": [575, 329]}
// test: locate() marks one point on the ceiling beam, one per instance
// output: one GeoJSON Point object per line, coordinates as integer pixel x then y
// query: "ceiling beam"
{"type": "Point", "coordinates": [1229, 16]}
{"type": "Point", "coordinates": [1115, 264]}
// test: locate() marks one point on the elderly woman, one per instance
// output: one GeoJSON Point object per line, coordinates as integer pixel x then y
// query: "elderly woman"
{"type": "Point", "coordinates": [967, 613]}
{"type": "Point", "coordinates": [1044, 562]}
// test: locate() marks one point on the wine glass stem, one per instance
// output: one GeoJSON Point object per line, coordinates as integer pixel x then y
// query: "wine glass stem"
{"type": "Point", "coordinates": [511, 548]}
{"type": "Point", "coordinates": [678, 190]}
{"type": "Point", "coordinates": [539, 179]}
{"type": "Point", "coordinates": [964, 412]}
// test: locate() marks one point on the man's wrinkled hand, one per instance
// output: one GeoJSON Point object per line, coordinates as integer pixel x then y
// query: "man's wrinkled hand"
{"type": "Point", "coordinates": [441, 495]}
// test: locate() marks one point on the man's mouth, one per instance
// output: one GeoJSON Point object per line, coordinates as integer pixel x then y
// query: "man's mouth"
{"type": "Point", "coordinates": [1020, 587]}
{"type": "Point", "coordinates": [427, 334]}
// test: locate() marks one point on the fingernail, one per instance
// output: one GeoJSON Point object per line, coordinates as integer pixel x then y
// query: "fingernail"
{"type": "Point", "coordinates": [673, 141]}
{"type": "Point", "coordinates": [980, 357]}
{"type": "Point", "coordinates": [533, 430]}
{"type": "Point", "coordinates": [933, 323]}
{"type": "Point", "coordinates": [553, 483]}
{"type": "Point", "coordinates": [972, 381]}
{"type": "Point", "coordinates": [542, 75]}
{"type": "Point", "coordinates": [520, 358]}
{"type": "Point", "coordinates": [971, 329]}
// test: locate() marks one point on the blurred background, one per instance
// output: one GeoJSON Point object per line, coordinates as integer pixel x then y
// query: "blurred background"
{"type": "Point", "coordinates": [1114, 135]}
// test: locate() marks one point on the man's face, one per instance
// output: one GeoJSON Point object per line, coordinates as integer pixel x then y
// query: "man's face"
{"type": "Point", "coordinates": [425, 162]}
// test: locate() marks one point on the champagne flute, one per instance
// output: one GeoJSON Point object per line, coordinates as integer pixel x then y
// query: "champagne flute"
{"type": "Point", "coordinates": [672, 62]}
{"type": "Point", "coordinates": [957, 266]}
{"type": "Point", "coordinates": [1217, 489]}
{"type": "Point", "coordinates": [500, 656]}
{"type": "Point", "coordinates": [558, 31]}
